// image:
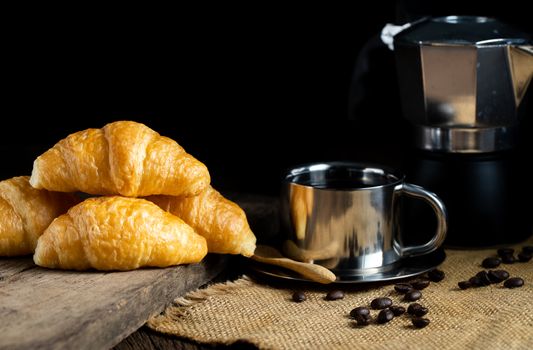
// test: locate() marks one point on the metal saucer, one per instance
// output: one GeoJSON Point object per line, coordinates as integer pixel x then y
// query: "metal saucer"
{"type": "Point", "coordinates": [407, 267]}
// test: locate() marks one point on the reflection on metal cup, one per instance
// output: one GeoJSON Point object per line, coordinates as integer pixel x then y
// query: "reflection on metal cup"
{"type": "Point", "coordinates": [346, 216]}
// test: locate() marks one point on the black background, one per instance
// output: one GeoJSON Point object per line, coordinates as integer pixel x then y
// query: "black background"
{"type": "Point", "coordinates": [248, 91]}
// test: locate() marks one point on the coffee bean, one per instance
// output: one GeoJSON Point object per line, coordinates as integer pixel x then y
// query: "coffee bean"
{"type": "Point", "coordinates": [505, 251]}
{"type": "Point", "coordinates": [420, 284]}
{"type": "Point", "coordinates": [483, 277]}
{"type": "Point", "coordinates": [412, 295]}
{"type": "Point", "coordinates": [491, 262]}
{"type": "Point", "coordinates": [397, 310]}
{"type": "Point", "coordinates": [385, 316]}
{"type": "Point", "coordinates": [413, 307]}
{"type": "Point", "coordinates": [363, 320]}
{"type": "Point", "coordinates": [475, 281]}
{"type": "Point", "coordinates": [524, 257]}
{"type": "Point", "coordinates": [299, 296]}
{"type": "Point", "coordinates": [380, 303]}
{"type": "Point", "coordinates": [420, 322]}
{"type": "Point", "coordinates": [360, 310]}
{"type": "Point", "coordinates": [508, 259]}
{"type": "Point", "coordinates": [403, 287]}
{"type": "Point", "coordinates": [421, 311]}
{"type": "Point", "coordinates": [464, 284]}
{"type": "Point", "coordinates": [513, 282]}
{"type": "Point", "coordinates": [335, 295]}
{"type": "Point", "coordinates": [436, 275]}
{"type": "Point", "coordinates": [494, 278]}
{"type": "Point", "coordinates": [416, 309]}
{"type": "Point", "coordinates": [528, 249]}
{"type": "Point", "coordinates": [497, 276]}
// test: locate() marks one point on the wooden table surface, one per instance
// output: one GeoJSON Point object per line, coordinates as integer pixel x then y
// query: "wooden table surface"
{"type": "Point", "coordinates": [54, 309]}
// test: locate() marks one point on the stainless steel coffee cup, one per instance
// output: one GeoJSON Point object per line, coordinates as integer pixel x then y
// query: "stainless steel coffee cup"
{"type": "Point", "coordinates": [346, 216]}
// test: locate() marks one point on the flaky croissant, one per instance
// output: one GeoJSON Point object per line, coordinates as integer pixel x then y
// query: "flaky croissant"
{"type": "Point", "coordinates": [25, 213]}
{"type": "Point", "coordinates": [118, 233]}
{"type": "Point", "coordinates": [222, 222]}
{"type": "Point", "coordinates": [125, 158]}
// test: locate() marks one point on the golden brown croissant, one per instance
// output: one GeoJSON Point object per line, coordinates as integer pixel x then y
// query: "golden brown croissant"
{"type": "Point", "coordinates": [222, 222]}
{"type": "Point", "coordinates": [125, 158]}
{"type": "Point", "coordinates": [118, 233]}
{"type": "Point", "coordinates": [25, 213]}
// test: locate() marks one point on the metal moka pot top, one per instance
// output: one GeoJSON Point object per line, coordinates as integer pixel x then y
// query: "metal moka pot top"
{"type": "Point", "coordinates": [463, 81]}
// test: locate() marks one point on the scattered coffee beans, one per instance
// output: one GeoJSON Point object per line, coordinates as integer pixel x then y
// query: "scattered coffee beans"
{"type": "Point", "coordinates": [513, 282]}
{"type": "Point", "coordinates": [299, 296]}
{"type": "Point", "coordinates": [361, 311]}
{"type": "Point", "coordinates": [491, 262]}
{"type": "Point", "coordinates": [436, 275]}
{"type": "Point", "coordinates": [412, 295]}
{"type": "Point", "coordinates": [420, 322]}
{"type": "Point", "coordinates": [420, 284]}
{"type": "Point", "coordinates": [524, 257]}
{"type": "Point", "coordinates": [385, 316]}
{"type": "Point", "coordinates": [397, 310]}
{"type": "Point", "coordinates": [484, 278]}
{"type": "Point", "coordinates": [506, 256]}
{"type": "Point", "coordinates": [335, 295]}
{"type": "Point", "coordinates": [380, 303]}
{"type": "Point", "coordinates": [403, 287]}
{"type": "Point", "coordinates": [411, 291]}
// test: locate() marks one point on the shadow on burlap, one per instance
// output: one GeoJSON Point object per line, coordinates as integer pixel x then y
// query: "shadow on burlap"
{"type": "Point", "coordinates": [246, 310]}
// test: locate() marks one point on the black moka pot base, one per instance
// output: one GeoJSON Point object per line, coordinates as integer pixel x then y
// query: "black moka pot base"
{"type": "Point", "coordinates": [487, 198]}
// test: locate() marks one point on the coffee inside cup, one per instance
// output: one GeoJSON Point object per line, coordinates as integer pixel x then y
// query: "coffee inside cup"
{"type": "Point", "coordinates": [325, 176]}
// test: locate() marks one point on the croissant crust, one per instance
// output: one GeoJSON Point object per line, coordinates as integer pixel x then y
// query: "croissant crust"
{"type": "Point", "coordinates": [222, 222]}
{"type": "Point", "coordinates": [25, 213]}
{"type": "Point", "coordinates": [118, 233]}
{"type": "Point", "coordinates": [123, 158]}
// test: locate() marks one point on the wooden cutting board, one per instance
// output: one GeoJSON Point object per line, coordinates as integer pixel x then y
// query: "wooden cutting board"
{"type": "Point", "coordinates": [50, 309]}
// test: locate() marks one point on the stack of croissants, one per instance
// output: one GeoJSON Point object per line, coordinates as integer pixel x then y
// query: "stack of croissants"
{"type": "Point", "coordinates": [149, 204]}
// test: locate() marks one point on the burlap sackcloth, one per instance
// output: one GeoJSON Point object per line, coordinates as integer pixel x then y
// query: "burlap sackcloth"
{"type": "Point", "coordinates": [491, 317]}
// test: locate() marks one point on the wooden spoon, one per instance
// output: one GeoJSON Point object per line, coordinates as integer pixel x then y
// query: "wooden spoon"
{"type": "Point", "coordinates": [269, 255]}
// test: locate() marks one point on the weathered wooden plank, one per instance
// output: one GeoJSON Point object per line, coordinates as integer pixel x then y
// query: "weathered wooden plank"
{"type": "Point", "coordinates": [13, 266]}
{"type": "Point", "coordinates": [52, 309]}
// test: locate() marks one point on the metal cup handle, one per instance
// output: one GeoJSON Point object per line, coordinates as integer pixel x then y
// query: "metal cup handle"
{"type": "Point", "coordinates": [440, 211]}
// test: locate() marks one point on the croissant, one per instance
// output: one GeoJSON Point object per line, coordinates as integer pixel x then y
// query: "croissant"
{"type": "Point", "coordinates": [222, 222]}
{"type": "Point", "coordinates": [118, 233]}
{"type": "Point", "coordinates": [125, 158]}
{"type": "Point", "coordinates": [25, 213]}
